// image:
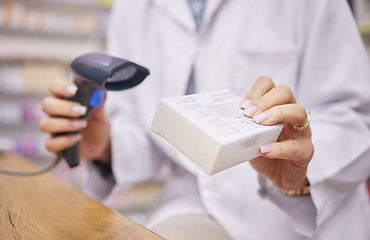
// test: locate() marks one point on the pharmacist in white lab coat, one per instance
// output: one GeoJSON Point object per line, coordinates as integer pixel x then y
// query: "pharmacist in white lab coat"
{"type": "Point", "coordinates": [312, 47]}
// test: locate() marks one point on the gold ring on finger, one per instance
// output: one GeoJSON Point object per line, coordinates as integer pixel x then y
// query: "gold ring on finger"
{"type": "Point", "coordinates": [307, 122]}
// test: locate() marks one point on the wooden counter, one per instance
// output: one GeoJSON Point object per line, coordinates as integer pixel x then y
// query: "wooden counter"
{"type": "Point", "coordinates": [42, 207]}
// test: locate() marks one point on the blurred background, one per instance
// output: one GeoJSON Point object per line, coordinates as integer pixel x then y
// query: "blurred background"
{"type": "Point", "coordinates": [38, 40]}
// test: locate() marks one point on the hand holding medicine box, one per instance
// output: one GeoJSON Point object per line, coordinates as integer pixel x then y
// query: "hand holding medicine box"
{"type": "Point", "coordinates": [211, 129]}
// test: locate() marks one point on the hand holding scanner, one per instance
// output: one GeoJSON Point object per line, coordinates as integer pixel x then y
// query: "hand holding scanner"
{"type": "Point", "coordinates": [94, 74]}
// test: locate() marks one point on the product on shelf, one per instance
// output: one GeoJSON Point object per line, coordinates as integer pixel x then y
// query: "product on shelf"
{"type": "Point", "coordinates": [10, 80]}
{"type": "Point", "coordinates": [25, 146]}
{"type": "Point", "coordinates": [30, 76]}
{"type": "Point", "coordinates": [17, 15]}
{"type": "Point", "coordinates": [16, 113]}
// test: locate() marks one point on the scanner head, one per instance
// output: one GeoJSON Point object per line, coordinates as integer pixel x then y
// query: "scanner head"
{"type": "Point", "coordinates": [108, 73]}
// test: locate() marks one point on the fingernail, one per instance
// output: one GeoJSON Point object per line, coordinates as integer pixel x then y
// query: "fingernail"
{"type": "Point", "coordinates": [265, 149]}
{"type": "Point", "coordinates": [80, 109]}
{"type": "Point", "coordinates": [79, 123]}
{"type": "Point", "coordinates": [262, 117]}
{"type": "Point", "coordinates": [72, 89]}
{"type": "Point", "coordinates": [249, 111]}
{"type": "Point", "coordinates": [245, 103]}
{"type": "Point", "coordinates": [75, 138]}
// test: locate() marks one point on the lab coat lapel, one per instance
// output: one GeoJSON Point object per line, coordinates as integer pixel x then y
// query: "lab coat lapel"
{"type": "Point", "coordinates": [179, 10]}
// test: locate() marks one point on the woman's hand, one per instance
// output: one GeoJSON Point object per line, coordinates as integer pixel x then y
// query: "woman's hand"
{"type": "Point", "coordinates": [63, 117]}
{"type": "Point", "coordinates": [284, 162]}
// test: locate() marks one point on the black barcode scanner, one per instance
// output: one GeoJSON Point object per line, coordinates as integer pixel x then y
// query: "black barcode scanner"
{"type": "Point", "coordinates": [94, 73]}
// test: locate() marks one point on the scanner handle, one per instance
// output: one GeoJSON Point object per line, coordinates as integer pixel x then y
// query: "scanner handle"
{"type": "Point", "coordinates": [89, 96]}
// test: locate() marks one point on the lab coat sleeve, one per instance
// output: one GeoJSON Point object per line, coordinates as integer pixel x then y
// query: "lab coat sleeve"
{"type": "Point", "coordinates": [134, 156]}
{"type": "Point", "coordinates": [334, 81]}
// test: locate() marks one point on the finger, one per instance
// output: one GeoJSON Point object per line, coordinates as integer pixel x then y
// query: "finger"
{"type": "Point", "coordinates": [301, 149]}
{"type": "Point", "coordinates": [277, 96]}
{"type": "Point", "coordinates": [62, 89]}
{"type": "Point", "coordinates": [60, 107]}
{"type": "Point", "coordinates": [57, 125]}
{"type": "Point", "coordinates": [259, 88]}
{"type": "Point", "coordinates": [58, 143]}
{"type": "Point", "coordinates": [293, 114]}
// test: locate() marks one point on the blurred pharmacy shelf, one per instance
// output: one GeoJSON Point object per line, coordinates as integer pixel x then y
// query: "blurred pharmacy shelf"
{"type": "Point", "coordinates": [39, 39]}
{"type": "Point", "coordinates": [51, 30]}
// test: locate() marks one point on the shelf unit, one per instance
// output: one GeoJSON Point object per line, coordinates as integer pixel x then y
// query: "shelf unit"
{"type": "Point", "coordinates": [39, 39]}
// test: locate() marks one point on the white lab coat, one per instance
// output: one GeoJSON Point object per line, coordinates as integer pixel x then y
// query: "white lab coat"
{"type": "Point", "coordinates": [311, 46]}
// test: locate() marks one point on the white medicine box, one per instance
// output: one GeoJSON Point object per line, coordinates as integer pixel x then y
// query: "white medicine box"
{"type": "Point", "coordinates": [211, 130]}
